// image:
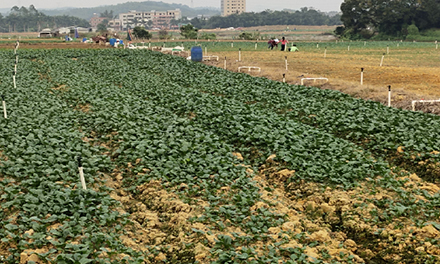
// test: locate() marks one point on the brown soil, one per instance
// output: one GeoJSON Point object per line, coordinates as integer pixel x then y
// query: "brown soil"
{"type": "Point", "coordinates": [409, 79]}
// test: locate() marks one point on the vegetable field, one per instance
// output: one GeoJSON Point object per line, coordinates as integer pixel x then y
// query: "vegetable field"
{"type": "Point", "coordinates": [189, 163]}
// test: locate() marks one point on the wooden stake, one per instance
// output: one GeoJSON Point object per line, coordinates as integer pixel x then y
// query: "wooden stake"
{"type": "Point", "coordinates": [362, 76]}
{"type": "Point", "coordinates": [239, 54]}
{"type": "Point", "coordinates": [225, 63]}
{"type": "Point", "coordinates": [4, 107]}
{"type": "Point", "coordinates": [285, 57]}
{"type": "Point", "coordinates": [232, 44]}
{"type": "Point", "coordinates": [389, 95]}
{"type": "Point", "coordinates": [256, 45]}
{"type": "Point", "coordinates": [325, 52]}
{"type": "Point", "coordinates": [81, 174]}
{"type": "Point", "coordinates": [381, 61]}
{"type": "Point", "coordinates": [13, 79]}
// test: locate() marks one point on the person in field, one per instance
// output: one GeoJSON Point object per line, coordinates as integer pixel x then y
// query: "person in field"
{"type": "Point", "coordinates": [283, 43]}
{"type": "Point", "coordinates": [293, 48]}
{"type": "Point", "coordinates": [270, 44]}
{"type": "Point", "coordinates": [275, 42]}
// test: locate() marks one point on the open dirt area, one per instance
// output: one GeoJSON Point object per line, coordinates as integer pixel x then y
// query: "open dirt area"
{"type": "Point", "coordinates": [409, 79]}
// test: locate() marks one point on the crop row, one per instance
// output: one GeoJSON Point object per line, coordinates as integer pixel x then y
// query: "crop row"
{"type": "Point", "coordinates": [174, 154]}
{"type": "Point", "coordinates": [41, 203]}
{"type": "Point", "coordinates": [405, 138]}
{"type": "Point", "coordinates": [168, 119]}
{"type": "Point", "coordinates": [39, 179]}
{"type": "Point", "coordinates": [257, 130]}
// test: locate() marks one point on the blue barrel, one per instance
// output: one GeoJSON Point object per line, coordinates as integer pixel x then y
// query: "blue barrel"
{"type": "Point", "coordinates": [196, 53]}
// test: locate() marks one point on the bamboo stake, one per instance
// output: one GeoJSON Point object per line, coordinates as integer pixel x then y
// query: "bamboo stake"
{"type": "Point", "coordinates": [389, 95]}
{"type": "Point", "coordinates": [381, 61]}
{"type": "Point", "coordinates": [81, 174]}
{"type": "Point", "coordinates": [362, 76]}
{"type": "Point", "coordinates": [4, 107]}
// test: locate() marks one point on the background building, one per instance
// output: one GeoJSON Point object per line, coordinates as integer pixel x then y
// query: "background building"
{"type": "Point", "coordinates": [96, 20]}
{"type": "Point", "coordinates": [155, 19]}
{"type": "Point", "coordinates": [229, 7]}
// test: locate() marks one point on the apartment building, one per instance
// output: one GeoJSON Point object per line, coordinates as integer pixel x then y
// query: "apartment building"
{"type": "Point", "coordinates": [153, 18]}
{"type": "Point", "coordinates": [230, 7]}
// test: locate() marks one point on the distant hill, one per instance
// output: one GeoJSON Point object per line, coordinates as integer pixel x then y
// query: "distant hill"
{"type": "Point", "coordinates": [3, 11]}
{"type": "Point", "coordinates": [87, 13]}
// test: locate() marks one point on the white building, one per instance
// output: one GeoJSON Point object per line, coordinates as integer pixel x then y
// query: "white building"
{"type": "Point", "coordinates": [139, 18]}
{"type": "Point", "coordinates": [230, 7]}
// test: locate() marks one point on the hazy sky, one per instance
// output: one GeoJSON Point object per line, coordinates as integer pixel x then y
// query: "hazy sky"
{"type": "Point", "coordinates": [251, 5]}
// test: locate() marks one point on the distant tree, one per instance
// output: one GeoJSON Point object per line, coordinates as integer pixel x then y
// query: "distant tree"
{"type": "Point", "coordinates": [249, 36]}
{"type": "Point", "coordinates": [163, 34]}
{"type": "Point", "coordinates": [141, 33]}
{"type": "Point", "coordinates": [30, 19]}
{"type": "Point", "coordinates": [103, 25]}
{"type": "Point", "coordinates": [388, 18]}
{"type": "Point", "coordinates": [107, 14]}
{"type": "Point", "coordinates": [174, 22]}
{"type": "Point", "coordinates": [205, 35]}
{"type": "Point", "coordinates": [189, 31]}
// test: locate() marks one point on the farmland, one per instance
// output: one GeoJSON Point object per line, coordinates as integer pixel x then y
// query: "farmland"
{"type": "Point", "coordinates": [411, 69]}
{"type": "Point", "coordinates": [189, 163]}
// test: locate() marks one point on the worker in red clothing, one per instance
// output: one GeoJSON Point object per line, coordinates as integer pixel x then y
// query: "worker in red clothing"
{"type": "Point", "coordinates": [283, 43]}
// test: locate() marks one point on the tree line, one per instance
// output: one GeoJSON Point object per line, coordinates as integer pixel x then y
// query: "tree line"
{"type": "Point", "coordinates": [366, 18]}
{"type": "Point", "coordinates": [305, 16]}
{"type": "Point", "coordinates": [22, 19]}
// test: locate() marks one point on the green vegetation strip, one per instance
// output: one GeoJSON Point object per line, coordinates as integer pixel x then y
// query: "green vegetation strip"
{"type": "Point", "coordinates": [375, 127]}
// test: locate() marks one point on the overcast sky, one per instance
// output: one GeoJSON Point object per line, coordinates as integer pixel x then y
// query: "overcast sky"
{"type": "Point", "coordinates": [251, 5]}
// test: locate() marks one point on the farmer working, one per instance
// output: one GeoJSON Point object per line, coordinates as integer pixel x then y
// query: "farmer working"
{"type": "Point", "coordinates": [293, 48]}
{"type": "Point", "coordinates": [283, 43]}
